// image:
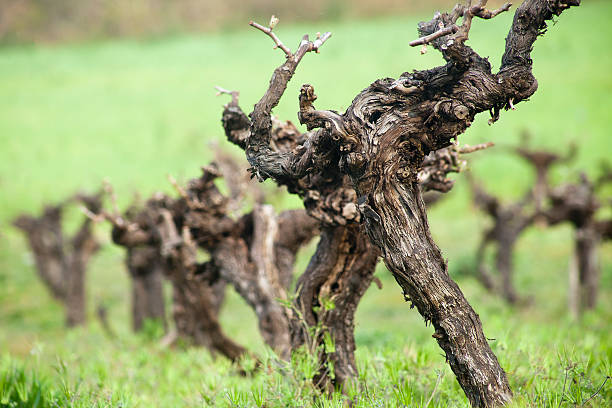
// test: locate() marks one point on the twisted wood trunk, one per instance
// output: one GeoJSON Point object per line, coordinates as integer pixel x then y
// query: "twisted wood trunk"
{"type": "Point", "coordinates": [328, 292]}
{"type": "Point", "coordinates": [84, 246]}
{"type": "Point", "coordinates": [339, 272]}
{"type": "Point", "coordinates": [197, 290]}
{"type": "Point", "coordinates": [250, 263]}
{"type": "Point", "coordinates": [382, 141]}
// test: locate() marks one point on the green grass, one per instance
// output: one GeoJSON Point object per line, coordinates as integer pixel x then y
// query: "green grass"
{"type": "Point", "coordinates": [134, 111]}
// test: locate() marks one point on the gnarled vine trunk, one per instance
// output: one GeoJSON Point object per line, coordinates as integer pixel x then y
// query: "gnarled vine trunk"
{"type": "Point", "coordinates": [382, 141]}
{"type": "Point", "coordinates": [328, 293]}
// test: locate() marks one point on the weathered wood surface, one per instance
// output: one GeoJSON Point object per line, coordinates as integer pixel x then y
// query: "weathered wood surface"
{"type": "Point", "coordinates": [380, 143]}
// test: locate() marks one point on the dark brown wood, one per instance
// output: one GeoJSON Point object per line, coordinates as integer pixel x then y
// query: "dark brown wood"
{"type": "Point", "coordinates": [137, 232]}
{"type": "Point", "coordinates": [255, 253]}
{"type": "Point", "coordinates": [329, 197]}
{"type": "Point", "coordinates": [328, 294]}
{"type": "Point", "coordinates": [380, 143]}
{"type": "Point", "coordinates": [343, 265]}
{"type": "Point", "coordinates": [62, 265]}
{"type": "Point", "coordinates": [197, 291]}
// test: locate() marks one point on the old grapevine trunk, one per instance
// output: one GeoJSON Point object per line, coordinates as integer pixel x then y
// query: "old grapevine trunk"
{"type": "Point", "coordinates": [137, 233]}
{"type": "Point", "coordinates": [328, 294]}
{"type": "Point", "coordinates": [381, 142]}
{"type": "Point", "coordinates": [509, 221]}
{"type": "Point", "coordinates": [577, 204]}
{"type": "Point", "coordinates": [400, 228]}
{"type": "Point", "coordinates": [145, 268]}
{"type": "Point", "coordinates": [259, 263]}
{"type": "Point", "coordinates": [62, 266]}
{"type": "Point", "coordinates": [343, 265]}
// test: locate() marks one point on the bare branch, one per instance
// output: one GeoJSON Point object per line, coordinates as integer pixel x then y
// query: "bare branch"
{"type": "Point", "coordinates": [429, 38]}
{"type": "Point", "coordinates": [306, 45]}
{"type": "Point", "coordinates": [278, 43]}
{"type": "Point", "coordinates": [108, 189]}
{"type": "Point", "coordinates": [486, 14]}
{"type": "Point", "coordinates": [234, 94]}
{"type": "Point", "coordinates": [258, 149]}
{"type": "Point", "coordinates": [470, 149]}
{"type": "Point", "coordinates": [97, 218]}
{"type": "Point", "coordinates": [313, 118]}
{"type": "Point", "coordinates": [180, 190]}
{"type": "Point", "coordinates": [438, 164]}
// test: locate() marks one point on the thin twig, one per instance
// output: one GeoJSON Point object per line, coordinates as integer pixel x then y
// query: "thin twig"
{"type": "Point", "coordinates": [177, 187]}
{"type": "Point", "coordinates": [487, 14]}
{"type": "Point", "coordinates": [470, 149]}
{"type": "Point", "coordinates": [596, 392]}
{"type": "Point", "coordinates": [97, 218]}
{"type": "Point", "coordinates": [429, 38]}
{"type": "Point", "coordinates": [278, 43]}
{"type": "Point", "coordinates": [440, 375]}
{"type": "Point", "coordinates": [234, 94]}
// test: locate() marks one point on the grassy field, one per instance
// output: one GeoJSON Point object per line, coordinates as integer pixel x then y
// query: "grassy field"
{"type": "Point", "coordinates": [134, 111]}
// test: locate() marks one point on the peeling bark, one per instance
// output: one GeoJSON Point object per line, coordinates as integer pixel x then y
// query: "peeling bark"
{"type": "Point", "coordinates": [338, 275]}
{"type": "Point", "coordinates": [254, 253]}
{"type": "Point", "coordinates": [197, 291]}
{"type": "Point", "coordinates": [381, 142]}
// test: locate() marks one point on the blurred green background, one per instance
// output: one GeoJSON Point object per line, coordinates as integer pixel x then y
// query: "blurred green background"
{"type": "Point", "coordinates": [82, 99]}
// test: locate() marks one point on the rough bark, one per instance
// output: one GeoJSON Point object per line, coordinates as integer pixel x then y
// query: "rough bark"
{"type": "Point", "coordinates": [254, 253]}
{"type": "Point", "coordinates": [250, 263]}
{"type": "Point", "coordinates": [328, 293]}
{"type": "Point", "coordinates": [381, 141]}
{"type": "Point", "coordinates": [197, 291]}
{"type": "Point", "coordinates": [330, 198]}
{"type": "Point", "coordinates": [343, 265]}
{"type": "Point", "coordinates": [62, 265]}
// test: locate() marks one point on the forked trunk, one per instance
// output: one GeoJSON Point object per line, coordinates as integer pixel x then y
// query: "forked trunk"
{"type": "Point", "coordinates": [62, 266]}
{"type": "Point", "coordinates": [233, 258]}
